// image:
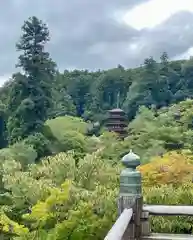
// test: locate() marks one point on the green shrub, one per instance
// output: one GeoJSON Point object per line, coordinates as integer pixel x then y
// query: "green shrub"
{"type": "Point", "coordinates": [67, 123]}
{"type": "Point", "coordinates": [71, 140]}
{"type": "Point", "coordinates": [169, 195]}
{"type": "Point", "coordinates": [57, 200]}
{"type": "Point", "coordinates": [20, 152]}
{"type": "Point", "coordinates": [40, 143]}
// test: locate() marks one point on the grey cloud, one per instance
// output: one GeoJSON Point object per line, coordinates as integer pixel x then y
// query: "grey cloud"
{"type": "Point", "coordinates": [75, 27]}
{"type": "Point", "coordinates": [173, 36]}
{"type": "Point", "coordinates": [85, 34]}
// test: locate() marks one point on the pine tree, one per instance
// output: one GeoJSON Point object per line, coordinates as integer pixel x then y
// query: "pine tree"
{"type": "Point", "coordinates": [30, 96]}
{"type": "Point", "coordinates": [2, 126]}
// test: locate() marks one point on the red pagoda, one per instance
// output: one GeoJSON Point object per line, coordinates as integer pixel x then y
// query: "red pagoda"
{"type": "Point", "coordinates": [116, 122]}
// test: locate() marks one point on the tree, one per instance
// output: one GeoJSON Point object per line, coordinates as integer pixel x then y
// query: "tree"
{"type": "Point", "coordinates": [61, 199]}
{"type": "Point", "coordinates": [78, 87]}
{"type": "Point", "coordinates": [143, 91]}
{"type": "Point", "coordinates": [186, 81]}
{"type": "Point", "coordinates": [62, 104]}
{"type": "Point", "coordinates": [2, 126]}
{"type": "Point", "coordinates": [30, 95]}
{"type": "Point", "coordinates": [109, 91]}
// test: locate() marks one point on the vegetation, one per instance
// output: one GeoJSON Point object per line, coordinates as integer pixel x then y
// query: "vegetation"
{"type": "Point", "coordinates": [59, 177]}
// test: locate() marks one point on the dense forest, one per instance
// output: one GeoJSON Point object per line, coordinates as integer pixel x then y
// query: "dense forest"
{"type": "Point", "coordinates": [59, 175]}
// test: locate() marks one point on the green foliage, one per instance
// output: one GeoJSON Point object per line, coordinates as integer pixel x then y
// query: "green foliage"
{"type": "Point", "coordinates": [154, 132]}
{"type": "Point", "coordinates": [65, 200]}
{"type": "Point", "coordinates": [77, 85]}
{"type": "Point", "coordinates": [30, 97]}
{"type": "Point", "coordinates": [20, 152]}
{"type": "Point", "coordinates": [66, 133]}
{"type": "Point", "coordinates": [167, 180]}
{"type": "Point", "coordinates": [71, 140]}
{"type": "Point", "coordinates": [66, 123]}
{"type": "Point", "coordinates": [70, 201]}
{"type": "Point", "coordinates": [40, 143]}
{"type": "Point", "coordinates": [169, 195]}
{"type": "Point", "coordinates": [156, 84]}
{"type": "Point", "coordinates": [62, 102]}
{"type": "Point", "coordinates": [2, 125]}
{"type": "Point", "coordinates": [10, 227]}
{"type": "Point", "coordinates": [111, 88]}
{"type": "Point", "coordinates": [61, 197]}
{"type": "Point", "coordinates": [71, 193]}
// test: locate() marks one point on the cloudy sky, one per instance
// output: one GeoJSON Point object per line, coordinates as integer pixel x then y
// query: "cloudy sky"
{"type": "Point", "coordinates": [97, 34]}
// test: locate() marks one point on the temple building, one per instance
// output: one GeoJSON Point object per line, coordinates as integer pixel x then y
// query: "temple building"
{"type": "Point", "coordinates": [116, 122]}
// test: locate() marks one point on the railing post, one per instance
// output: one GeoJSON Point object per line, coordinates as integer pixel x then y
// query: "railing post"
{"type": "Point", "coordinates": [130, 195]}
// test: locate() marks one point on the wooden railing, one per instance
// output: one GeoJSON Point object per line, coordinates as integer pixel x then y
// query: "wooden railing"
{"type": "Point", "coordinates": [125, 227]}
{"type": "Point", "coordinates": [168, 210]}
{"type": "Point", "coordinates": [120, 226]}
{"type": "Point", "coordinates": [133, 221]}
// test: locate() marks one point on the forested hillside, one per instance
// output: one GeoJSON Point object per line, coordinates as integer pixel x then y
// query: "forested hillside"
{"type": "Point", "coordinates": [57, 180]}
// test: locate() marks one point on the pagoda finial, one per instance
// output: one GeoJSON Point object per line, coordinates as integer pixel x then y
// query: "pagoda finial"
{"type": "Point", "coordinates": [118, 99]}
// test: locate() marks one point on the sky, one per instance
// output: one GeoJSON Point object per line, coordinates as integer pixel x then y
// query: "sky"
{"type": "Point", "coordinates": [98, 34]}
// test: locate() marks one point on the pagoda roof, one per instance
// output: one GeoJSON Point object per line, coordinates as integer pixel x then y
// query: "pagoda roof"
{"type": "Point", "coordinates": [116, 110]}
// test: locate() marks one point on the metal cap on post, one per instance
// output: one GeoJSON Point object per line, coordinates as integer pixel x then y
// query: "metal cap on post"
{"type": "Point", "coordinates": [130, 195]}
{"type": "Point", "coordinates": [130, 178]}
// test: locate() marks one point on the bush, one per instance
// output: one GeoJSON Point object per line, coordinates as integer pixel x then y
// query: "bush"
{"type": "Point", "coordinates": [67, 133]}
{"type": "Point", "coordinates": [20, 152]}
{"type": "Point", "coordinates": [155, 132]}
{"type": "Point", "coordinates": [72, 195]}
{"type": "Point", "coordinates": [40, 143]}
{"type": "Point", "coordinates": [170, 195]}
{"type": "Point", "coordinates": [71, 140]}
{"type": "Point", "coordinates": [167, 180]}
{"type": "Point", "coordinates": [56, 200]}
{"type": "Point", "coordinates": [60, 125]}
{"type": "Point", "coordinates": [173, 168]}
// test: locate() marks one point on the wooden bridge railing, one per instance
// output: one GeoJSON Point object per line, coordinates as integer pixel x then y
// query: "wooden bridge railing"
{"type": "Point", "coordinates": [133, 221]}
{"type": "Point", "coordinates": [120, 226]}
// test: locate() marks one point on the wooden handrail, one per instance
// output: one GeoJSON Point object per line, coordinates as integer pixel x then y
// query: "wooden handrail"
{"type": "Point", "coordinates": [168, 210]}
{"type": "Point", "coordinates": [164, 236]}
{"type": "Point", "coordinates": [130, 196]}
{"type": "Point", "coordinates": [120, 226]}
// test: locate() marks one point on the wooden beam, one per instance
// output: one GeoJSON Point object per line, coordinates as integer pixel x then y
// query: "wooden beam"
{"type": "Point", "coordinates": [120, 226]}
{"type": "Point", "coordinates": [159, 236]}
{"type": "Point", "coordinates": [169, 210]}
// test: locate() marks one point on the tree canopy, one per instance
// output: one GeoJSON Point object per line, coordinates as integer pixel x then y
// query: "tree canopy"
{"type": "Point", "coordinates": [30, 95]}
{"type": "Point", "coordinates": [60, 167]}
